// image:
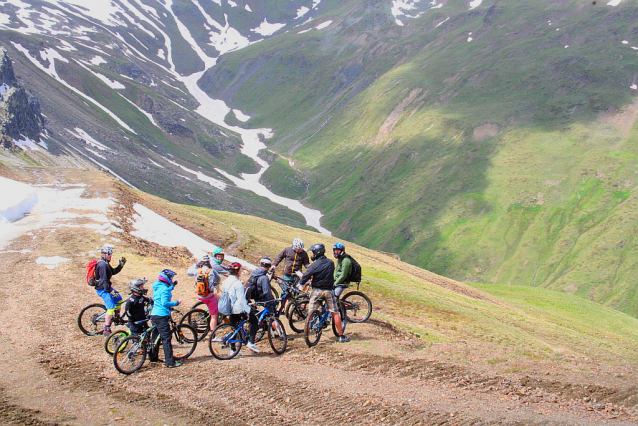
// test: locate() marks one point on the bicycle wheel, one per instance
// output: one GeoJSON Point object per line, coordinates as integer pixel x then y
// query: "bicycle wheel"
{"type": "Point", "coordinates": [91, 319]}
{"type": "Point", "coordinates": [225, 342]}
{"type": "Point", "coordinates": [184, 341]}
{"type": "Point", "coordinates": [130, 355]}
{"type": "Point", "coordinates": [297, 315]}
{"type": "Point", "coordinates": [199, 319]}
{"type": "Point", "coordinates": [358, 306]}
{"type": "Point", "coordinates": [277, 336]}
{"type": "Point", "coordinates": [197, 305]}
{"type": "Point", "coordinates": [313, 329]}
{"type": "Point", "coordinates": [113, 341]}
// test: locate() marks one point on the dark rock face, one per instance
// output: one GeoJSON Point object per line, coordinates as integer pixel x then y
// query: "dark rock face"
{"type": "Point", "coordinates": [20, 114]}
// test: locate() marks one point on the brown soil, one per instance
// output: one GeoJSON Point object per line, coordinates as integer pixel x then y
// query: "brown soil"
{"type": "Point", "coordinates": [55, 375]}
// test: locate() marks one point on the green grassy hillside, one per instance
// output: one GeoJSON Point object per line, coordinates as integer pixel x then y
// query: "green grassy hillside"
{"type": "Point", "coordinates": [492, 145]}
{"type": "Point", "coordinates": [511, 328]}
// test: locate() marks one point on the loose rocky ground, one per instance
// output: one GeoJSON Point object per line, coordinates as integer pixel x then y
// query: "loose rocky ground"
{"type": "Point", "coordinates": [55, 375]}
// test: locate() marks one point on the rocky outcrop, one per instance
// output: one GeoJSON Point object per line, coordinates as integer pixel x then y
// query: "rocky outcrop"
{"type": "Point", "coordinates": [20, 115]}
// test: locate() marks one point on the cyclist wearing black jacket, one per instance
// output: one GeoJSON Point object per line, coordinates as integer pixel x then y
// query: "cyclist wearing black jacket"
{"type": "Point", "coordinates": [322, 273]}
{"type": "Point", "coordinates": [103, 273]}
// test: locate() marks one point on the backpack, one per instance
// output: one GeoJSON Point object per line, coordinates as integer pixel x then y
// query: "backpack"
{"type": "Point", "coordinates": [253, 289]}
{"type": "Point", "coordinates": [90, 273]}
{"type": "Point", "coordinates": [202, 287]}
{"type": "Point", "coordinates": [224, 304]}
{"type": "Point", "coordinates": [355, 271]}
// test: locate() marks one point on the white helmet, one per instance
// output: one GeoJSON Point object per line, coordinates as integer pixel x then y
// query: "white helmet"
{"type": "Point", "coordinates": [204, 259]}
{"type": "Point", "coordinates": [107, 250]}
{"type": "Point", "coordinates": [297, 244]}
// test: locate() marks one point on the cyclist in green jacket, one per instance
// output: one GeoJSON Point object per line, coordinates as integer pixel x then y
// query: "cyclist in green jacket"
{"type": "Point", "coordinates": [343, 268]}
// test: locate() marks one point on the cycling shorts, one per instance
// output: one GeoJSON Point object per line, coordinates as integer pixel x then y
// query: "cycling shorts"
{"type": "Point", "coordinates": [110, 302]}
{"type": "Point", "coordinates": [327, 295]}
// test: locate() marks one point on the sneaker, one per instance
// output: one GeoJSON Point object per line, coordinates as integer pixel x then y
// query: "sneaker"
{"type": "Point", "coordinates": [252, 347]}
{"type": "Point", "coordinates": [343, 339]}
{"type": "Point", "coordinates": [215, 339]}
{"type": "Point", "coordinates": [177, 364]}
{"type": "Point", "coordinates": [106, 332]}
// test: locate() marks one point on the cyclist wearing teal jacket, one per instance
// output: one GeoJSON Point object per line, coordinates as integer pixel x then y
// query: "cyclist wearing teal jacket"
{"type": "Point", "coordinates": [161, 313]}
{"type": "Point", "coordinates": [343, 268]}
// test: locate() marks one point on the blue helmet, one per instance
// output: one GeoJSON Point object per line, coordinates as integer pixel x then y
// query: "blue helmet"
{"type": "Point", "coordinates": [339, 246]}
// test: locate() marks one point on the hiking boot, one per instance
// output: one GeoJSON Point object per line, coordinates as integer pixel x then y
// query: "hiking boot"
{"type": "Point", "coordinates": [343, 339]}
{"type": "Point", "coordinates": [177, 364]}
{"type": "Point", "coordinates": [252, 347]}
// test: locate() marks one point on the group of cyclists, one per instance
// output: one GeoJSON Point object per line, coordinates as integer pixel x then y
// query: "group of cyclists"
{"type": "Point", "coordinates": [326, 281]}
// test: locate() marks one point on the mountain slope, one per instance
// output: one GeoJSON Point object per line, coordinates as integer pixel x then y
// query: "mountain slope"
{"type": "Point", "coordinates": [492, 143]}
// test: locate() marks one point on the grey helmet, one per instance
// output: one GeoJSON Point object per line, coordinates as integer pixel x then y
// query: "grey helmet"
{"type": "Point", "coordinates": [265, 262]}
{"type": "Point", "coordinates": [107, 250]}
{"type": "Point", "coordinates": [297, 244]}
{"type": "Point", "coordinates": [204, 259]}
{"type": "Point", "coordinates": [134, 286]}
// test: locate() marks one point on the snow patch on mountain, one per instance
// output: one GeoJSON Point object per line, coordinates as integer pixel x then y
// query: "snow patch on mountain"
{"type": "Point", "coordinates": [201, 176]}
{"type": "Point", "coordinates": [266, 28]}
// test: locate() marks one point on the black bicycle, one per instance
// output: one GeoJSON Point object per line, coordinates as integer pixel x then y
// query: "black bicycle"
{"type": "Point", "coordinates": [91, 319]}
{"type": "Point", "coordinates": [356, 305]}
{"type": "Point", "coordinates": [132, 351]}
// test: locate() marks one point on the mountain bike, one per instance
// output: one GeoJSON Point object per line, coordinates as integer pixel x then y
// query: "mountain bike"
{"type": "Point", "coordinates": [320, 319]}
{"type": "Point", "coordinates": [356, 305]}
{"type": "Point", "coordinates": [226, 341]}
{"type": "Point", "coordinates": [131, 352]}
{"type": "Point", "coordinates": [91, 319]}
{"type": "Point", "coordinates": [294, 303]}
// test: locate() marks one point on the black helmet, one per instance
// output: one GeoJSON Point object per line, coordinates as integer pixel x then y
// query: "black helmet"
{"type": "Point", "coordinates": [135, 284]}
{"type": "Point", "coordinates": [317, 250]}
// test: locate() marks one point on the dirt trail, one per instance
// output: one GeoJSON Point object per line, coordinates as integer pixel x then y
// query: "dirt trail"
{"type": "Point", "coordinates": [53, 374]}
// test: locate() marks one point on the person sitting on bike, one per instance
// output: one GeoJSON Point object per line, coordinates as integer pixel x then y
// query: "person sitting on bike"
{"type": "Point", "coordinates": [204, 268]}
{"type": "Point", "coordinates": [137, 306]}
{"type": "Point", "coordinates": [263, 283]}
{"type": "Point", "coordinates": [322, 273]}
{"type": "Point", "coordinates": [235, 289]}
{"type": "Point", "coordinates": [218, 256]}
{"type": "Point", "coordinates": [103, 273]}
{"type": "Point", "coordinates": [343, 268]}
{"type": "Point", "coordinates": [161, 312]}
{"type": "Point", "coordinates": [294, 258]}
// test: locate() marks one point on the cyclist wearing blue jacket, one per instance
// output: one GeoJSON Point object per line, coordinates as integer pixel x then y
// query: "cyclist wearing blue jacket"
{"type": "Point", "coordinates": [161, 313]}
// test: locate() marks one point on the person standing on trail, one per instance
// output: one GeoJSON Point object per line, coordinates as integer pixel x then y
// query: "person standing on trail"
{"type": "Point", "coordinates": [218, 256]}
{"type": "Point", "coordinates": [112, 299]}
{"type": "Point", "coordinates": [207, 279]}
{"type": "Point", "coordinates": [161, 313]}
{"type": "Point", "coordinates": [343, 268]}
{"type": "Point", "coordinates": [294, 258]}
{"type": "Point", "coordinates": [240, 308]}
{"type": "Point", "coordinates": [322, 273]}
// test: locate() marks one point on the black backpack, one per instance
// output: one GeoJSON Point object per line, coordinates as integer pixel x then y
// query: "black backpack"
{"type": "Point", "coordinates": [355, 271]}
{"type": "Point", "coordinates": [253, 289]}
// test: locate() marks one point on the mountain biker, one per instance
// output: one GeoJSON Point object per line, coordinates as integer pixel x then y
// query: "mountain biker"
{"type": "Point", "coordinates": [205, 268]}
{"type": "Point", "coordinates": [264, 294]}
{"type": "Point", "coordinates": [218, 256]}
{"type": "Point", "coordinates": [343, 268]}
{"type": "Point", "coordinates": [235, 289]}
{"type": "Point", "coordinates": [137, 306]}
{"type": "Point", "coordinates": [322, 273]}
{"type": "Point", "coordinates": [161, 312]}
{"type": "Point", "coordinates": [294, 257]}
{"type": "Point", "coordinates": [103, 273]}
